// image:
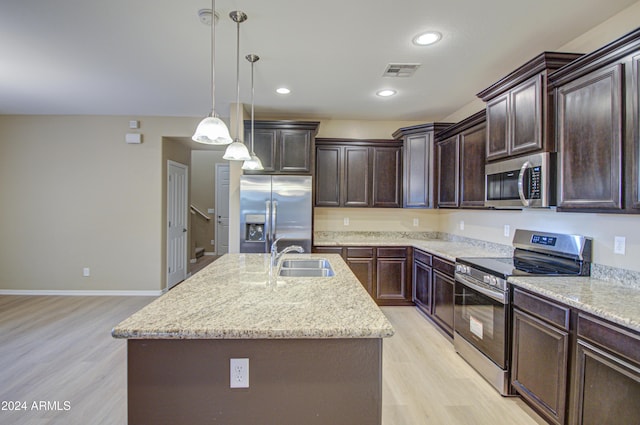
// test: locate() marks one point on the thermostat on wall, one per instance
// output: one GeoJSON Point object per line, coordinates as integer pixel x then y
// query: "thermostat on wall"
{"type": "Point", "coordinates": [133, 138]}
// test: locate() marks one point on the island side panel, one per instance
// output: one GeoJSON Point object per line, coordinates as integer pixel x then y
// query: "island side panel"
{"type": "Point", "coordinates": [308, 381]}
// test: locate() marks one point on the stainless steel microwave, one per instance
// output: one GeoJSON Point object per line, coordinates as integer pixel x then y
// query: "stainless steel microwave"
{"type": "Point", "coordinates": [523, 182]}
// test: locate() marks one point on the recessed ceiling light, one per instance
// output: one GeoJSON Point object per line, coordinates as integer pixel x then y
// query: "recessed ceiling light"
{"type": "Point", "coordinates": [386, 93]}
{"type": "Point", "coordinates": [427, 38]}
{"type": "Point", "coordinates": [283, 90]}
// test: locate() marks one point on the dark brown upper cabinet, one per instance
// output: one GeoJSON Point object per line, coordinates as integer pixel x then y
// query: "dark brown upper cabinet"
{"type": "Point", "coordinates": [358, 173]}
{"type": "Point", "coordinates": [419, 173]}
{"type": "Point", "coordinates": [460, 163]}
{"type": "Point", "coordinates": [519, 112]}
{"type": "Point", "coordinates": [284, 147]}
{"type": "Point", "coordinates": [597, 129]}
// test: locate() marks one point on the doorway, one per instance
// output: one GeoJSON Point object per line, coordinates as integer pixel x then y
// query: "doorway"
{"type": "Point", "coordinates": [177, 222]}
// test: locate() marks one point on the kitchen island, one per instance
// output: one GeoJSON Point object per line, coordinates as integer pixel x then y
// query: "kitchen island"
{"type": "Point", "coordinates": [314, 346]}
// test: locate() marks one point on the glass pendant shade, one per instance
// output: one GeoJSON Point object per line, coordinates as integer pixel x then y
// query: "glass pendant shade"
{"type": "Point", "coordinates": [237, 151]}
{"type": "Point", "coordinates": [253, 164]}
{"type": "Point", "coordinates": [212, 131]}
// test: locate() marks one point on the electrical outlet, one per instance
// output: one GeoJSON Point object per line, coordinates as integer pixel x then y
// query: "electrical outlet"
{"type": "Point", "coordinates": [239, 373]}
{"type": "Point", "coordinates": [619, 245]}
{"type": "Point", "coordinates": [461, 224]}
{"type": "Point", "coordinates": [416, 222]}
{"type": "Point", "coordinates": [86, 272]}
{"type": "Point", "coordinates": [213, 241]}
{"type": "Point", "coordinates": [346, 221]}
{"type": "Point", "coordinates": [507, 230]}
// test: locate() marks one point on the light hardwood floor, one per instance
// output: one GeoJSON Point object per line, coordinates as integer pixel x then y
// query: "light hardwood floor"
{"type": "Point", "coordinates": [60, 349]}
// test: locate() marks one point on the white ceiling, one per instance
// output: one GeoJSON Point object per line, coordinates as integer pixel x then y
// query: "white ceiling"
{"type": "Point", "coordinates": [151, 57]}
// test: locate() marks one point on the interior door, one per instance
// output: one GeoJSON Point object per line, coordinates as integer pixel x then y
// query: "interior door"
{"type": "Point", "coordinates": [222, 209]}
{"type": "Point", "coordinates": [177, 187]}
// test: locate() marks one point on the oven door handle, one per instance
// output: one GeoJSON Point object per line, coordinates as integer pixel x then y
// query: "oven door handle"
{"type": "Point", "coordinates": [523, 199]}
{"type": "Point", "coordinates": [499, 296]}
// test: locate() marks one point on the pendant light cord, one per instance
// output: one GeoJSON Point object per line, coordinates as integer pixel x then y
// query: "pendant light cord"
{"type": "Point", "coordinates": [252, 101]}
{"type": "Point", "coordinates": [238, 83]}
{"type": "Point", "coordinates": [213, 58]}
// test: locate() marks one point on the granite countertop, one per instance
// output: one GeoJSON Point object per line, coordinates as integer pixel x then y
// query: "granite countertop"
{"type": "Point", "coordinates": [609, 296]}
{"type": "Point", "coordinates": [612, 301]}
{"type": "Point", "coordinates": [448, 250]}
{"type": "Point", "coordinates": [230, 299]}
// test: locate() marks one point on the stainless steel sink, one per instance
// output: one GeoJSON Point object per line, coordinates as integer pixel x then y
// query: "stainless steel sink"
{"type": "Point", "coordinates": [319, 267]}
{"type": "Point", "coordinates": [306, 263]}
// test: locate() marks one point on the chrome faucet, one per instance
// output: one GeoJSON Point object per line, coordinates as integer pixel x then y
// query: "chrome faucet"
{"type": "Point", "coordinates": [276, 258]}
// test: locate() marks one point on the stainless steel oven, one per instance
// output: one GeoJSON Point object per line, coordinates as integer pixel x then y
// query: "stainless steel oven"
{"type": "Point", "coordinates": [482, 313]}
{"type": "Point", "coordinates": [521, 182]}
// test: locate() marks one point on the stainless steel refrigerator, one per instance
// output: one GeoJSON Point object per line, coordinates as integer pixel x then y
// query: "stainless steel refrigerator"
{"type": "Point", "coordinates": [274, 207]}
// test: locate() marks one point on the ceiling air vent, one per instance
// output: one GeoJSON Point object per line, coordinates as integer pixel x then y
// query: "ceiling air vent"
{"type": "Point", "coordinates": [400, 69]}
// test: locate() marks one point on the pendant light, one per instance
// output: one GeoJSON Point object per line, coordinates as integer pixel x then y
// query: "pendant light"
{"type": "Point", "coordinates": [237, 151]}
{"type": "Point", "coordinates": [254, 163]}
{"type": "Point", "coordinates": [212, 130]}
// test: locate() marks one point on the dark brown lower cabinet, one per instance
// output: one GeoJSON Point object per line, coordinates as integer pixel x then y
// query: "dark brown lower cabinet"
{"type": "Point", "coordinates": [433, 283]}
{"type": "Point", "coordinates": [361, 261]}
{"type": "Point", "coordinates": [540, 363]}
{"type": "Point", "coordinates": [607, 379]}
{"type": "Point", "coordinates": [393, 286]}
{"type": "Point", "coordinates": [443, 300]}
{"type": "Point", "coordinates": [422, 273]}
{"type": "Point", "coordinates": [385, 272]}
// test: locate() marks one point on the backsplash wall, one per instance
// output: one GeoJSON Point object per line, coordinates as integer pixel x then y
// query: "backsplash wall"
{"type": "Point", "coordinates": [489, 226]}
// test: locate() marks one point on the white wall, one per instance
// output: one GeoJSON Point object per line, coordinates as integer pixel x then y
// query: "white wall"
{"type": "Point", "coordinates": [74, 195]}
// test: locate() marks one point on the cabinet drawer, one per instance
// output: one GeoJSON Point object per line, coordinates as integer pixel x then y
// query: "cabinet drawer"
{"type": "Point", "coordinates": [444, 266]}
{"type": "Point", "coordinates": [543, 309]}
{"type": "Point", "coordinates": [618, 340]}
{"type": "Point", "coordinates": [396, 252]}
{"type": "Point", "coordinates": [328, 250]}
{"type": "Point", "coordinates": [359, 252]}
{"type": "Point", "coordinates": [422, 256]}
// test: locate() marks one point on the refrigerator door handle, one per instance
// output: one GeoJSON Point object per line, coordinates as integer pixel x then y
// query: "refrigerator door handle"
{"type": "Point", "coordinates": [274, 218]}
{"type": "Point", "coordinates": [267, 225]}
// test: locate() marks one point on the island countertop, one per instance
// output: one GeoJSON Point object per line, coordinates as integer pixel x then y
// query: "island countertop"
{"type": "Point", "coordinates": [230, 299]}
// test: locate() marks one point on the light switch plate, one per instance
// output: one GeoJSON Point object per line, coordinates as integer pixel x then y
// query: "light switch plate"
{"type": "Point", "coordinates": [619, 245]}
{"type": "Point", "coordinates": [507, 230]}
{"type": "Point", "coordinates": [346, 221]}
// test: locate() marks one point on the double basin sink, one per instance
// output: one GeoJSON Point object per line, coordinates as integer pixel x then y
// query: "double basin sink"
{"type": "Point", "coordinates": [307, 267]}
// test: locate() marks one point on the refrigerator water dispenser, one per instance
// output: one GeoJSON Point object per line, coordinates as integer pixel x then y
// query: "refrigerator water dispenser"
{"type": "Point", "coordinates": [254, 231]}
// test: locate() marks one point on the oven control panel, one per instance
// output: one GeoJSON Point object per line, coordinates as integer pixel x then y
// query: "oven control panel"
{"type": "Point", "coordinates": [481, 276]}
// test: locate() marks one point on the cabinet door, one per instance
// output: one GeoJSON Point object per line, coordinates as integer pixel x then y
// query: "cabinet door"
{"type": "Point", "coordinates": [589, 135]}
{"type": "Point", "coordinates": [328, 176]}
{"type": "Point", "coordinates": [295, 151]}
{"type": "Point", "coordinates": [443, 294]}
{"type": "Point", "coordinates": [387, 177]}
{"type": "Point", "coordinates": [448, 172]}
{"type": "Point", "coordinates": [635, 156]}
{"type": "Point", "coordinates": [418, 162]}
{"type": "Point", "coordinates": [363, 268]}
{"type": "Point", "coordinates": [391, 281]}
{"type": "Point", "coordinates": [525, 116]}
{"type": "Point", "coordinates": [539, 369]}
{"type": "Point", "coordinates": [265, 148]}
{"type": "Point", "coordinates": [497, 127]}
{"type": "Point", "coordinates": [472, 160]}
{"type": "Point", "coordinates": [357, 172]}
{"type": "Point", "coordinates": [422, 286]}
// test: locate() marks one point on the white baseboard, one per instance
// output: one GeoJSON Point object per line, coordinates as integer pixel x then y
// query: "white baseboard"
{"type": "Point", "coordinates": [102, 293]}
